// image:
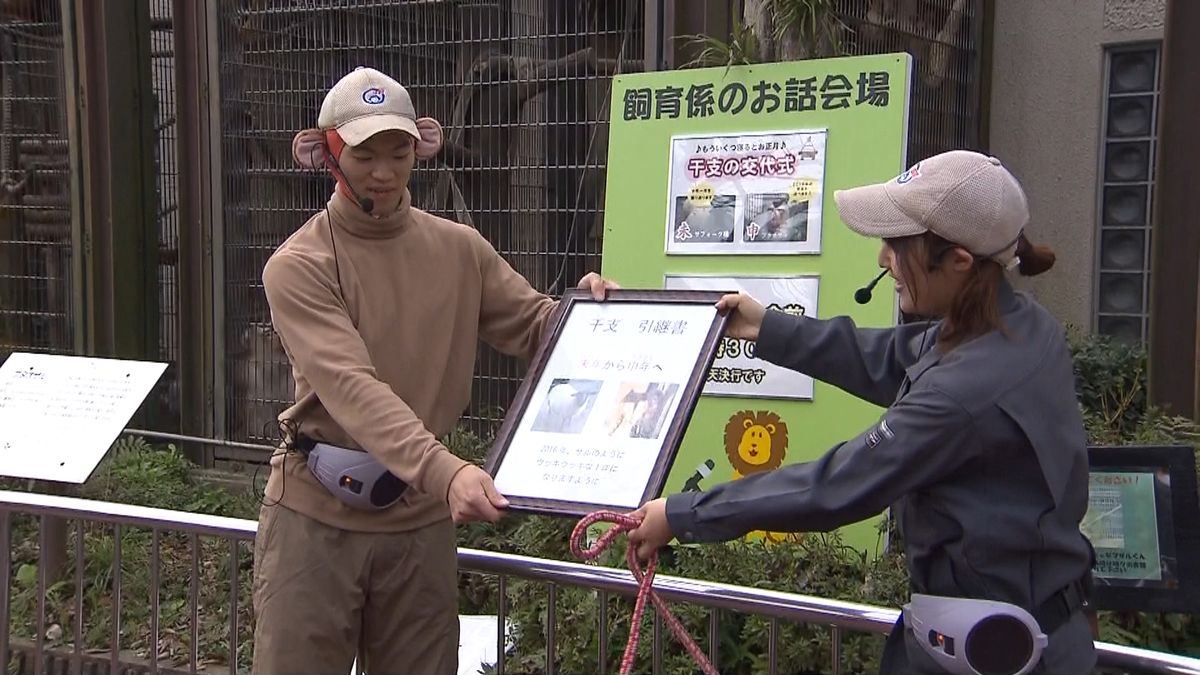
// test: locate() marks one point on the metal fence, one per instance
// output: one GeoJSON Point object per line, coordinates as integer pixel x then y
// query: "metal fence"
{"type": "Point", "coordinates": [163, 568]}
{"type": "Point", "coordinates": [36, 312]}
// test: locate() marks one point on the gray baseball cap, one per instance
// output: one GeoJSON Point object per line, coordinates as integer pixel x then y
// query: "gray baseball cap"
{"type": "Point", "coordinates": [964, 197]}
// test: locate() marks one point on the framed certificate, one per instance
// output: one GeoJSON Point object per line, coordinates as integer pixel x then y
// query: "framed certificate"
{"type": "Point", "coordinates": [603, 409]}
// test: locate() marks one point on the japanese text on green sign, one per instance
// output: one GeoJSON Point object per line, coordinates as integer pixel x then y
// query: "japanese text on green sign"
{"type": "Point", "coordinates": [834, 92]}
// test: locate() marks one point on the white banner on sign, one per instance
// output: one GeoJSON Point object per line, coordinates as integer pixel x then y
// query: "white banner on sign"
{"type": "Point", "coordinates": [746, 194]}
{"type": "Point", "coordinates": [736, 371]}
{"type": "Point", "coordinates": [60, 414]}
{"type": "Point", "coordinates": [600, 412]}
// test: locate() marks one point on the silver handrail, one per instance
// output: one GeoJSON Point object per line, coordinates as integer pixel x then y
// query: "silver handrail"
{"type": "Point", "coordinates": [775, 604]}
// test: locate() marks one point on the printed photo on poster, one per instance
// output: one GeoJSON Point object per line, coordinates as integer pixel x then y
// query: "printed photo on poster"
{"type": "Point", "coordinates": [751, 193]}
{"type": "Point", "coordinates": [567, 406]}
{"type": "Point", "coordinates": [603, 408]}
{"type": "Point", "coordinates": [640, 409]}
{"type": "Point", "coordinates": [736, 372]}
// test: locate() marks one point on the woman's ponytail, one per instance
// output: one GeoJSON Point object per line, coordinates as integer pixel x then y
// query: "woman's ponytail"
{"type": "Point", "coordinates": [1035, 259]}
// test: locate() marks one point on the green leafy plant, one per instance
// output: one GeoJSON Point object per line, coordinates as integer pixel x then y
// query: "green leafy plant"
{"type": "Point", "coordinates": [772, 30]}
{"type": "Point", "coordinates": [1111, 385]}
{"type": "Point", "coordinates": [813, 26]}
{"type": "Point", "coordinates": [740, 50]}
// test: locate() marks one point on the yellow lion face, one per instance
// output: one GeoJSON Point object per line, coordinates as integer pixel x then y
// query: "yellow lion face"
{"type": "Point", "coordinates": [755, 441]}
{"type": "Point", "coordinates": [755, 446]}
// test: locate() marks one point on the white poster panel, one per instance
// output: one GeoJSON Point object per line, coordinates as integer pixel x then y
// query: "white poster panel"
{"type": "Point", "coordinates": [746, 194]}
{"type": "Point", "coordinates": [737, 371]}
{"type": "Point", "coordinates": [60, 414]}
{"type": "Point", "coordinates": [599, 414]}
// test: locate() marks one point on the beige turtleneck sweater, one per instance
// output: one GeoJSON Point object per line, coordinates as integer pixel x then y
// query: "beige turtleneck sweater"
{"type": "Point", "coordinates": [383, 361]}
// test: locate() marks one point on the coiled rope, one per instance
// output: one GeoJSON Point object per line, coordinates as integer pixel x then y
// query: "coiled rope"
{"type": "Point", "coordinates": [624, 523]}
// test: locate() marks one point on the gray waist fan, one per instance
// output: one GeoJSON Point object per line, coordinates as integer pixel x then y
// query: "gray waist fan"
{"type": "Point", "coordinates": [353, 476]}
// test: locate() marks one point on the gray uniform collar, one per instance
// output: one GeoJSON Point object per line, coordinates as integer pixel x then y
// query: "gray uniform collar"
{"type": "Point", "coordinates": [1008, 303]}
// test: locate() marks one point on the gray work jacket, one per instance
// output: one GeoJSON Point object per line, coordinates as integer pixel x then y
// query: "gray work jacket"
{"type": "Point", "coordinates": [981, 454]}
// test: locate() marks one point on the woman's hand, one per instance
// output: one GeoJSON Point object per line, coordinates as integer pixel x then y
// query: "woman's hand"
{"type": "Point", "coordinates": [654, 532]}
{"type": "Point", "coordinates": [746, 315]}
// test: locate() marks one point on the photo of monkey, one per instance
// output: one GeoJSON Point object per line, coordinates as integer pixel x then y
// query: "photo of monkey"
{"type": "Point", "coordinates": [640, 409]}
{"type": "Point", "coordinates": [771, 217]}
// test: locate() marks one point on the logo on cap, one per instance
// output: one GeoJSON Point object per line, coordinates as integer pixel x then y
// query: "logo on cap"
{"type": "Point", "coordinates": [373, 96]}
{"type": "Point", "coordinates": [910, 175]}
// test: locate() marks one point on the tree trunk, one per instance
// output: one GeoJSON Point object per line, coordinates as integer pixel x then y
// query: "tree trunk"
{"type": "Point", "coordinates": [758, 15]}
{"type": "Point", "coordinates": [791, 49]}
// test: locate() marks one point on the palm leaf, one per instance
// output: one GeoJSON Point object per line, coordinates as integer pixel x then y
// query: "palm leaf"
{"type": "Point", "coordinates": [741, 50]}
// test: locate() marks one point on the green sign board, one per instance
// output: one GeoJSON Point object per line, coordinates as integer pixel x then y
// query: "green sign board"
{"type": "Point", "coordinates": [723, 179]}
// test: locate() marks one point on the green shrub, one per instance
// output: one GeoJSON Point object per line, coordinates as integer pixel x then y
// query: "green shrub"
{"type": "Point", "coordinates": [1110, 380]}
{"type": "Point", "coordinates": [136, 472]}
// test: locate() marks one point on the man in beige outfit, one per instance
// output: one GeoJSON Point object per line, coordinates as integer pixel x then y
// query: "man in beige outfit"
{"type": "Point", "coordinates": [380, 307]}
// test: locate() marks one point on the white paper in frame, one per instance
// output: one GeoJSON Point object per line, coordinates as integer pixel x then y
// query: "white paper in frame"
{"type": "Point", "coordinates": [602, 411]}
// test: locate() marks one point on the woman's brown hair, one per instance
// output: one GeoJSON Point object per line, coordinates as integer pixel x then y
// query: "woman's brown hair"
{"type": "Point", "coordinates": [975, 309]}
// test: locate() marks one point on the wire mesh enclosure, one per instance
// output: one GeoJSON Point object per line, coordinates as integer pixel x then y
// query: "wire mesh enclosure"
{"type": "Point", "coordinates": [944, 38]}
{"type": "Point", "coordinates": [36, 311]}
{"type": "Point", "coordinates": [521, 88]}
{"type": "Point", "coordinates": [162, 74]}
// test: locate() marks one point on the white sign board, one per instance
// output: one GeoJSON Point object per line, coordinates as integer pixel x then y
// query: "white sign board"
{"type": "Point", "coordinates": [747, 193]}
{"type": "Point", "coordinates": [59, 414]}
{"type": "Point", "coordinates": [607, 399]}
{"type": "Point", "coordinates": [736, 372]}
{"type": "Point", "coordinates": [600, 409]}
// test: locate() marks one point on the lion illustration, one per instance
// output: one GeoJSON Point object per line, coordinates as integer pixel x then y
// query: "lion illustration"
{"type": "Point", "coordinates": [757, 441]}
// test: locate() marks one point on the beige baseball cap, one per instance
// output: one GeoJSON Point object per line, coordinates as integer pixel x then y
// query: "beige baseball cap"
{"type": "Point", "coordinates": [964, 197]}
{"type": "Point", "coordinates": [364, 103]}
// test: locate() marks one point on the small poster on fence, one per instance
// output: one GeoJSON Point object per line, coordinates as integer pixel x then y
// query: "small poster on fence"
{"type": "Point", "coordinates": [746, 194]}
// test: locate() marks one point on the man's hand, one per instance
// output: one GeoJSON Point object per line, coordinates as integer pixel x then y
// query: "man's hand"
{"type": "Point", "coordinates": [746, 315]}
{"type": "Point", "coordinates": [654, 532]}
{"type": "Point", "coordinates": [597, 284]}
{"type": "Point", "coordinates": [473, 496]}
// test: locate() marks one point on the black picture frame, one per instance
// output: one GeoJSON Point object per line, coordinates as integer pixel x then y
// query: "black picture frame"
{"type": "Point", "coordinates": [638, 302]}
{"type": "Point", "coordinates": [1177, 519]}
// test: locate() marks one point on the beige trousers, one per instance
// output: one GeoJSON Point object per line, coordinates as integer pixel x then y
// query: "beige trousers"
{"type": "Point", "coordinates": [323, 596]}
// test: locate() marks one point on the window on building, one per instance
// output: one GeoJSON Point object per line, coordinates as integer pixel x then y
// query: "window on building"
{"type": "Point", "coordinates": [1126, 180]}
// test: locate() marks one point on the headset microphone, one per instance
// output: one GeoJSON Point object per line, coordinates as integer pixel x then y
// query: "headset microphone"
{"type": "Point", "coordinates": [365, 203]}
{"type": "Point", "coordinates": [863, 295]}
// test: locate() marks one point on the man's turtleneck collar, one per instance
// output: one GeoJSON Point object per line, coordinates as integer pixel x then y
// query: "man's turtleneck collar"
{"type": "Point", "coordinates": [349, 216]}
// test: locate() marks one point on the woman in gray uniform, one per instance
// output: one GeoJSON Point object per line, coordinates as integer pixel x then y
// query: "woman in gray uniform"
{"type": "Point", "coordinates": [981, 453]}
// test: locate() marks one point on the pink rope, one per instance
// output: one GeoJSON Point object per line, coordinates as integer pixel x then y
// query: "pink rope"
{"type": "Point", "coordinates": [645, 580]}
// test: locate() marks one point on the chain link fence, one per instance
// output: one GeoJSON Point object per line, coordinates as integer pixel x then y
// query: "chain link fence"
{"type": "Point", "coordinates": [36, 312]}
